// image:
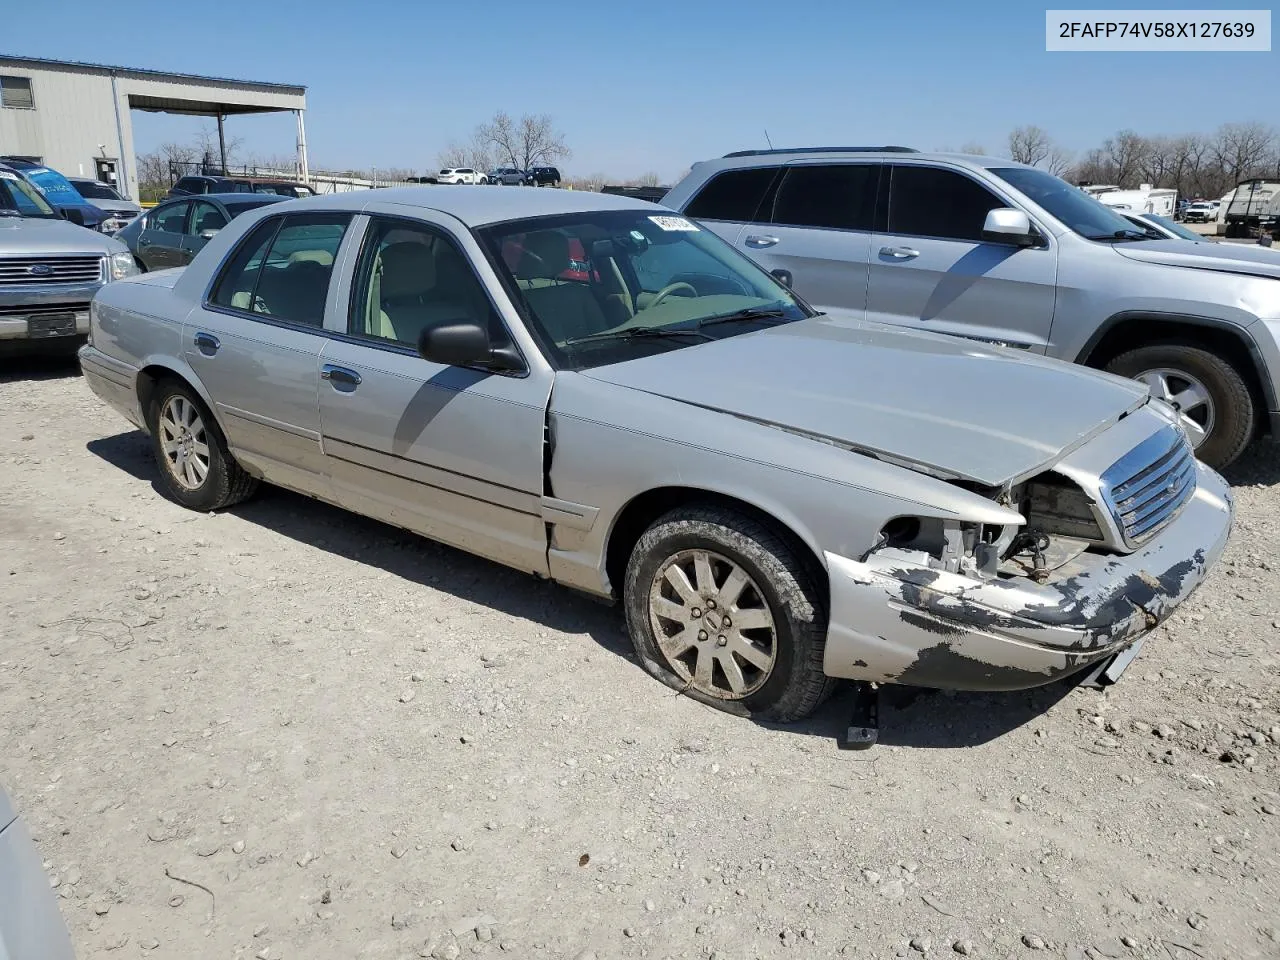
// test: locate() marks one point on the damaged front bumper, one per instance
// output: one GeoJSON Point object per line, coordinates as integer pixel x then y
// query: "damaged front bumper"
{"type": "Point", "coordinates": [896, 623]}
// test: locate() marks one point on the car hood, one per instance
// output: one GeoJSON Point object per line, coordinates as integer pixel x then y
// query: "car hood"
{"type": "Point", "coordinates": [32, 236]}
{"type": "Point", "coordinates": [956, 408]}
{"type": "Point", "coordinates": [1224, 257]}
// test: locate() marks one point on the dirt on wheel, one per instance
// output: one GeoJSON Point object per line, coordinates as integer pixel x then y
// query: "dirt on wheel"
{"type": "Point", "coordinates": [285, 731]}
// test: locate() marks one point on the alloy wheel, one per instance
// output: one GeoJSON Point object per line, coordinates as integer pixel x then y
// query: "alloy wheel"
{"type": "Point", "coordinates": [713, 624]}
{"type": "Point", "coordinates": [184, 442]}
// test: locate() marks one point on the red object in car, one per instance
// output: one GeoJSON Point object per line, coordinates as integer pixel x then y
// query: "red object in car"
{"type": "Point", "coordinates": [578, 269]}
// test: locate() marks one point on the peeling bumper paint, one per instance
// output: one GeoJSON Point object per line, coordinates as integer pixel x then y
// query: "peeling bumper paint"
{"type": "Point", "coordinates": [892, 623]}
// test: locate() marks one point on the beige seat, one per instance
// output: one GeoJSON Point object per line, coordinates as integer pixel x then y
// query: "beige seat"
{"type": "Point", "coordinates": [411, 296]}
{"type": "Point", "coordinates": [566, 309]}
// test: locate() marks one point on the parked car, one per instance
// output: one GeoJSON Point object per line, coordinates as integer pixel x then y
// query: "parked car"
{"type": "Point", "coordinates": [544, 177]}
{"type": "Point", "coordinates": [1164, 228]}
{"type": "Point", "coordinates": [31, 928]}
{"type": "Point", "coordinates": [119, 210]}
{"type": "Point", "coordinates": [508, 177]}
{"type": "Point", "coordinates": [64, 198]}
{"type": "Point", "coordinates": [459, 175]}
{"type": "Point", "coordinates": [200, 185]}
{"type": "Point", "coordinates": [994, 250]}
{"type": "Point", "coordinates": [170, 234]}
{"type": "Point", "coordinates": [777, 498]}
{"type": "Point", "coordinates": [49, 268]}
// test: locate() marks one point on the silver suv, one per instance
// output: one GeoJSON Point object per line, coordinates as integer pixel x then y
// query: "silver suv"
{"type": "Point", "coordinates": [998, 251]}
{"type": "Point", "coordinates": [50, 268]}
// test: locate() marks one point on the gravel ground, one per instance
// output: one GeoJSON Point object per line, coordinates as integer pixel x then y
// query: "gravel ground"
{"type": "Point", "coordinates": [286, 731]}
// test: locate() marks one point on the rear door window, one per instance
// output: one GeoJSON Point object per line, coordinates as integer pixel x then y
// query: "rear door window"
{"type": "Point", "coordinates": [933, 202]}
{"type": "Point", "coordinates": [734, 195]}
{"type": "Point", "coordinates": [283, 268]}
{"type": "Point", "coordinates": [839, 196]}
{"type": "Point", "coordinates": [170, 219]}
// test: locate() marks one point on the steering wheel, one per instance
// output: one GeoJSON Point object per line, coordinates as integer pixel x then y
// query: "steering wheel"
{"type": "Point", "coordinates": [671, 288]}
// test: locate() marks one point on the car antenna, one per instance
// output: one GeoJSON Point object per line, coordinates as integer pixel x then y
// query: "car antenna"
{"type": "Point", "coordinates": [766, 138]}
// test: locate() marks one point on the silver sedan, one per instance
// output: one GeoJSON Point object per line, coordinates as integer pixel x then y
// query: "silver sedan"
{"type": "Point", "coordinates": [599, 391]}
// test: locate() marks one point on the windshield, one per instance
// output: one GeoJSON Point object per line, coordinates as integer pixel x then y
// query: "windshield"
{"type": "Point", "coordinates": [603, 287]}
{"type": "Point", "coordinates": [19, 198]}
{"type": "Point", "coordinates": [1177, 229]}
{"type": "Point", "coordinates": [96, 191]}
{"type": "Point", "coordinates": [1075, 208]}
{"type": "Point", "coordinates": [55, 187]}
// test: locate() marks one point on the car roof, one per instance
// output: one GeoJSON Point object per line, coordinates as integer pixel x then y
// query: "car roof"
{"type": "Point", "coordinates": [478, 205]}
{"type": "Point", "coordinates": [773, 158]}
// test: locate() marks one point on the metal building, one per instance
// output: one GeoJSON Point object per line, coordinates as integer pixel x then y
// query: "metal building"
{"type": "Point", "coordinates": [75, 117]}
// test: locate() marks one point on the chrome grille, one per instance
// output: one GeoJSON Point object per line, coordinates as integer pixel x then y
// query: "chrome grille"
{"type": "Point", "coordinates": [50, 270]}
{"type": "Point", "coordinates": [1147, 488]}
{"type": "Point", "coordinates": [42, 309]}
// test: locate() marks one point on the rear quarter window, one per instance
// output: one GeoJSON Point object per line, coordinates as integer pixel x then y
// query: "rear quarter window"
{"type": "Point", "coordinates": [733, 195]}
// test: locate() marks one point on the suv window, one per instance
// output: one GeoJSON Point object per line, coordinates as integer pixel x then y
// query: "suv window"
{"type": "Point", "coordinates": [839, 195]}
{"type": "Point", "coordinates": [932, 202]}
{"type": "Point", "coordinates": [411, 277]}
{"type": "Point", "coordinates": [191, 185]}
{"type": "Point", "coordinates": [282, 269]}
{"type": "Point", "coordinates": [171, 219]}
{"type": "Point", "coordinates": [732, 195]}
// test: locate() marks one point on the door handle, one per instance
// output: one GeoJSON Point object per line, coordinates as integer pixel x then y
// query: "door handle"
{"type": "Point", "coordinates": [335, 374]}
{"type": "Point", "coordinates": [207, 343]}
{"type": "Point", "coordinates": [760, 243]}
{"type": "Point", "coordinates": [900, 253]}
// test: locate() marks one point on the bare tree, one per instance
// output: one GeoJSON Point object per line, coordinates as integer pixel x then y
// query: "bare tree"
{"type": "Point", "coordinates": [1243, 149]}
{"type": "Point", "coordinates": [1126, 152]}
{"type": "Point", "coordinates": [649, 179]}
{"type": "Point", "coordinates": [524, 143]}
{"type": "Point", "coordinates": [1029, 145]}
{"type": "Point", "coordinates": [973, 148]}
{"type": "Point", "coordinates": [1058, 161]}
{"type": "Point", "coordinates": [475, 153]}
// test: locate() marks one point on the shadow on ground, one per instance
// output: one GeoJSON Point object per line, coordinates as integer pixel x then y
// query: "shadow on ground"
{"type": "Point", "coordinates": [1257, 466]}
{"type": "Point", "coordinates": [18, 365]}
{"type": "Point", "coordinates": [908, 716]}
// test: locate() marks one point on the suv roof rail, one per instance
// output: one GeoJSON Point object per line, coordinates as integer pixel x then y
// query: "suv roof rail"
{"type": "Point", "coordinates": [765, 153]}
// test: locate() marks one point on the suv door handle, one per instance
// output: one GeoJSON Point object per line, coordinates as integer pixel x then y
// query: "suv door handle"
{"type": "Point", "coordinates": [207, 343]}
{"type": "Point", "coordinates": [335, 374]}
{"type": "Point", "coordinates": [760, 242]}
{"type": "Point", "coordinates": [900, 253]}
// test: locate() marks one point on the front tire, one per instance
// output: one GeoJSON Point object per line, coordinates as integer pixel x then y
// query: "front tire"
{"type": "Point", "coordinates": [196, 469]}
{"type": "Point", "coordinates": [723, 608]}
{"type": "Point", "coordinates": [1213, 399]}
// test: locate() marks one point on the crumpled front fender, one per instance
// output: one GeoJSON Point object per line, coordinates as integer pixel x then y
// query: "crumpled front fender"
{"type": "Point", "coordinates": [893, 623]}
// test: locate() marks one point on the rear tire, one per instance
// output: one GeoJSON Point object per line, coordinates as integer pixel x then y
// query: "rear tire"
{"type": "Point", "coordinates": [1233, 411]}
{"type": "Point", "coordinates": [196, 469]}
{"type": "Point", "coordinates": [723, 608]}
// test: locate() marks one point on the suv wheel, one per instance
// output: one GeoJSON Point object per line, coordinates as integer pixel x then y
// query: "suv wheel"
{"type": "Point", "coordinates": [721, 608]}
{"type": "Point", "coordinates": [1213, 399]}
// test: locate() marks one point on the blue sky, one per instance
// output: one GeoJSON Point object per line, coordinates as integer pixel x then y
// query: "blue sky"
{"type": "Point", "coordinates": [652, 86]}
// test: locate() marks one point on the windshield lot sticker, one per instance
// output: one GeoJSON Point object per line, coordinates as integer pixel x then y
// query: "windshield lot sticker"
{"type": "Point", "coordinates": [671, 224]}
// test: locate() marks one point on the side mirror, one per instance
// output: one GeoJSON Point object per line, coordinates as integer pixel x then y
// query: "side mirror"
{"type": "Point", "coordinates": [1006, 225]}
{"type": "Point", "coordinates": [465, 343]}
{"type": "Point", "coordinates": [74, 215]}
{"type": "Point", "coordinates": [783, 277]}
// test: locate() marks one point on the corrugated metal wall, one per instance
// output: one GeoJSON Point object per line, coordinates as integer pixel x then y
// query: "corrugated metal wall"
{"type": "Point", "coordinates": [74, 119]}
{"type": "Point", "coordinates": [73, 114]}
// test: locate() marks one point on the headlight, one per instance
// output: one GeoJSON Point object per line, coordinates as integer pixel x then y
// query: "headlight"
{"type": "Point", "coordinates": [122, 265]}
